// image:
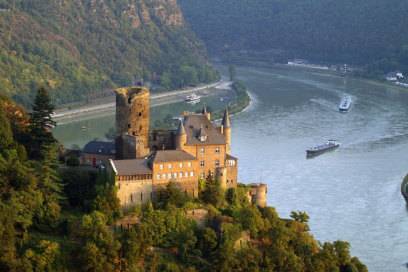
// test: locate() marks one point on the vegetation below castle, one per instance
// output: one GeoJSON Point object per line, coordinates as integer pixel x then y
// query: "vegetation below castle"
{"type": "Point", "coordinates": [57, 217]}
{"type": "Point", "coordinates": [371, 34]}
{"type": "Point", "coordinates": [78, 49]}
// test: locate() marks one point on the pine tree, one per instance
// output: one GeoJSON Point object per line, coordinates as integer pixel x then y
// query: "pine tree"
{"type": "Point", "coordinates": [41, 124]}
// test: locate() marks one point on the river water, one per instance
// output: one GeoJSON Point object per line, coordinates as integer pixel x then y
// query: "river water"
{"type": "Point", "coordinates": [350, 194]}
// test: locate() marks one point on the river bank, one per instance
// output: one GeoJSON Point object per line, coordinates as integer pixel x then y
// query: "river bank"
{"type": "Point", "coordinates": [108, 104]}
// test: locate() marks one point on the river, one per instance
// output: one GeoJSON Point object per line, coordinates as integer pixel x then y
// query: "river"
{"type": "Point", "coordinates": [351, 194]}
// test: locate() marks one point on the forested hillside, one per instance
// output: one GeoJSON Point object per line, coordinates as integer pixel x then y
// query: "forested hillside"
{"type": "Point", "coordinates": [359, 32]}
{"type": "Point", "coordinates": [77, 47]}
{"type": "Point", "coordinates": [58, 216]}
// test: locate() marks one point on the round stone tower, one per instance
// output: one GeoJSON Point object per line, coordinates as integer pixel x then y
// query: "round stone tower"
{"type": "Point", "coordinates": [257, 194]}
{"type": "Point", "coordinates": [132, 122]}
{"type": "Point", "coordinates": [181, 137]}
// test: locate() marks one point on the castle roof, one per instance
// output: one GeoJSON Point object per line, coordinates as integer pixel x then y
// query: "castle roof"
{"type": "Point", "coordinates": [131, 167]}
{"type": "Point", "coordinates": [204, 111]}
{"type": "Point", "coordinates": [226, 120]}
{"type": "Point", "coordinates": [171, 156]}
{"type": "Point", "coordinates": [230, 157]}
{"type": "Point", "coordinates": [181, 130]}
{"type": "Point", "coordinates": [197, 125]}
{"type": "Point", "coordinates": [100, 148]}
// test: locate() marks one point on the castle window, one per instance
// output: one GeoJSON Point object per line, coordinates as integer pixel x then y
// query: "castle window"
{"type": "Point", "coordinates": [140, 114]}
{"type": "Point", "coordinates": [217, 163]}
{"type": "Point", "coordinates": [202, 163]}
{"type": "Point", "coordinates": [191, 174]}
{"type": "Point", "coordinates": [169, 175]}
{"type": "Point", "coordinates": [161, 166]}
{"type": "Point", "coordinates": [202, 150]}
{"type": "Point", "coordinates": [141, 196]}
{"type": "Point", "coordinates": [181, 165]}
{"type": "Point", "coordinates": [158, 176]}
{"type": "Point", "coordinates": [181, 174]}
{"type": "Point", "coordinates": [169, 166]}
{"type": "Point", "coordinates": [186, 174]}
{"type": "Point", "coordinates": [174, 175]}
{"type": "Point", "coordinates": [189, 164]}
{"type": "Point", "coordinates": [131, 198]}
{"type": "Point", "coordinates": [129, 126]}
{"type": "Point", "coordinates": [202, 176]}
{"type": "Point", "coordinates": [217, 150]}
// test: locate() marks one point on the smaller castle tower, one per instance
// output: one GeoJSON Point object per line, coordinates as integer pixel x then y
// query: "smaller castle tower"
{"type": "Point", "coordinates": [226, 130]}
{"type": "Point", "coordinates": [181, 137]}
{"type": "Point", "coordinates": [206, 113]}
{"type": "Point", "coordinates": [221, 176]}
{"type": "Point", "coordinates": [257, 194]}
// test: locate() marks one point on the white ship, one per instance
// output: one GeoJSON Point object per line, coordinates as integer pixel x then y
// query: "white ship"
{"type": "Point", "coordinates": [193, 99]}
{"type": "Point", "coordinates": [345, 104]}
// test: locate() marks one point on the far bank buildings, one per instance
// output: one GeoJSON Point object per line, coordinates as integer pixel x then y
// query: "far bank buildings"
{"type": "Point", "coordinates": [146, 161]}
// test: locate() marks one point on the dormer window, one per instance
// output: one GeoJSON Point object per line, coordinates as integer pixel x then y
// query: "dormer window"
{"type": "Point", "coordinates": [203, 138]}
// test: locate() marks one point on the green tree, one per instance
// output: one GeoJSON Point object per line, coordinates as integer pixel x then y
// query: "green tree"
{"type": "Point", "coordinates": [300, 216]}
{"type": "Point", "coordinates": [49, 185]}
{"type": "Point", "coordinates": [212, 192]}
{"type": "Point", "coordinates": [41, 124]}
{"type": "Point", "coordinates": [172, 195]}
{"type": "Point", "coordinates": [106, 199]}
{"type": "Point", "coordinates": [100, 249]}
{"type": "Point", "coordinates": [207, 242]}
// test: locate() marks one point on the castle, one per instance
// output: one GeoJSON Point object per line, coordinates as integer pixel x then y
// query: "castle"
{"type": "Point", "coordinates": [146, 161]}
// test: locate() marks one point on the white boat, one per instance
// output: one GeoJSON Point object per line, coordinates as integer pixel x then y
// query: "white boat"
{"type": "Point", "coordinates": [193, 99]}
{"type": "Point", "coordinates": [345, 104]}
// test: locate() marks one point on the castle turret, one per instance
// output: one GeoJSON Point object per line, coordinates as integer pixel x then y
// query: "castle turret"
{"type": "Point", "coordinates": [257, 194]}
{"type": "Point", "coordinates": [181, 137]}
{"type": "Point", "coordinates": [221, 176]}
{"type": "Point", "coordinates": [132, 122]}
{"type": "Point", "coordinates": [226, 129]}
{"type": "Point", "coordinates": [206, 113]}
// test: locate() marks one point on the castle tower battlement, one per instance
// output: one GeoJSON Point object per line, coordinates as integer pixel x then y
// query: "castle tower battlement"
{"type": "Point", "coordinates": [132, 122]}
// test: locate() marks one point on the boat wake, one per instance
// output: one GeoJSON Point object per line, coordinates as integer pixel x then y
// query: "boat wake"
{"type": "Point", "coordinates": [379, 142]}
{"type": "Point", "coordinates": [325, 103]}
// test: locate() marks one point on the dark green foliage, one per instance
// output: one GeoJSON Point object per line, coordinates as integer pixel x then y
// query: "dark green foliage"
{"type": "Point", "coordinates": [41, 124]}
{"type": "Point", "coordinates": [79, 49]}
{"type": "Point", "coordinates": [172, 196]}
{"type": "Point", "coordinates": [357, 32]}
{"type": "Point", "coordinates": [73, 161]}
{"type": "Point", "coordinates": [29, 198]}
{"type": "Point", "coordinates": [212, 193]}
{"type": "Point", "coordinates": [99, 248]}
{"type": "Point", "coordinates": [106, 200]}
{"type": "Point", "coordinates": [50, 186]}
{"type": "Point", "coordinates": [79, 187]}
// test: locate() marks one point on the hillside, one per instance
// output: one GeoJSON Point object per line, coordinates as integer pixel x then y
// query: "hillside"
{"type": "Point", "coordinates": [55, 217]}
{"type": "Point", "coordinates": [359, 32]}
{"type": "Point", "coordinates": [78, 48]}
